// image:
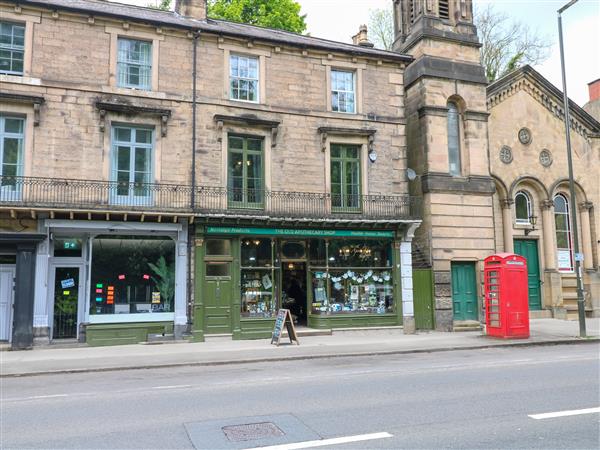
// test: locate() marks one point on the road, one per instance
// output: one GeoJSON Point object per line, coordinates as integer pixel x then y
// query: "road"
{"type": "Point", "coordinates": [460, 399]}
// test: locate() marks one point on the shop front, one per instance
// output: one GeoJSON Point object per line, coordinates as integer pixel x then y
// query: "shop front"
{"type": "Point", "coordinates": [111, 283]}
{"type": "Point", "coordinates": [326, 278]}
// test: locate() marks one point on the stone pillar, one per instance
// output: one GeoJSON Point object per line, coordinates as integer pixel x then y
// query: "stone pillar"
{"type": "Point", "coordinates": [41, 326]}
{"type": "Point", "coordinates": [586, 235]}
{"type": "Point", "coordinates": [507, 226]}
{"type": "Point", "coordinates": [181, 286]}
{"type": "Point", "coordinates": [548, 231]}
{"type": "Point", "coordinates": [406, 275]}
{"type": "Point", "coordinates": [22, 337]}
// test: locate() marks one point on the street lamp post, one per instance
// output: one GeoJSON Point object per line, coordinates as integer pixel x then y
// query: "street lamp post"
{"type": "Point", "coordinates": [580, 299]}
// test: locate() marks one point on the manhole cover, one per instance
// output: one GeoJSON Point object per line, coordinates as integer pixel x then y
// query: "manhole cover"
{"type": "Point", "coordinates": [252, 431]}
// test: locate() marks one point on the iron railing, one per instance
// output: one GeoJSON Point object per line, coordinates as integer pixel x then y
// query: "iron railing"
{"type": "Point", "coordinates": [109, 196]}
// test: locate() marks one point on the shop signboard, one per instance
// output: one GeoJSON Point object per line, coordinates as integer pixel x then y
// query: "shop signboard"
{"type": "Point", "coordinates": [299, 232]}
{"type": "Point", "coordinates": [284, 318]}
{"type": "Point", "coordinates": [564, 260]}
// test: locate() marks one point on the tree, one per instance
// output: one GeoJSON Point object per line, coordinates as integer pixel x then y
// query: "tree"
{"type": "Point", "coordinates": [279, 14]}
{"type": "Point", "coordinates": [381, 28]}
{"type": "Point", "coordinates": [163, 5]}
{"type": "Point", "coordinates": [507, 45]}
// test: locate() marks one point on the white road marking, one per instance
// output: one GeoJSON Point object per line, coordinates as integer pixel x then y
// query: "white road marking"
{"type": "Point", "coordinates": [324, 442]}
{"type": "Point", "coordinates": [178, 386]}
{"type": "Point", "coordinates": [574, 412]}
{"type": "Point", "coordinates": [37, 397]}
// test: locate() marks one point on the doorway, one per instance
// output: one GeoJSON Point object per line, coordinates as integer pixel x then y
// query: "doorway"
{"type": "Point", "coordinates": [66, 295]}
{"type": "Point", "coordinates": [293, 294]}
{"type": "Point", "coordinates": [7, 299]}
{"type": "Point", "coordinates": [464, 291]}
{"type": "Point", "coordinates": [528, 248]}
{"type": "Point", "coordinates": [217, 298]}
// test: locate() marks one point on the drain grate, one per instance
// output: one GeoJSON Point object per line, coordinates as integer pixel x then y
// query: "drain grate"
{"type": "Point", "coordinates": [252, 431]}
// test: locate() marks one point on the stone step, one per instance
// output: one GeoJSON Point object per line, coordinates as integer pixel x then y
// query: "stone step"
{"type": "Point", "coordinates": [466, 325]}
{"type": "Point", "coordinates": [160, 338]}
{"type": "Point", "coordinates": [541, 314]}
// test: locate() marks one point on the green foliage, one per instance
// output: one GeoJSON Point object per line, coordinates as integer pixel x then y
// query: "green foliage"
{"type": "Point", "coordinates": [165, 278]}
{"type": "Point", "coordinates": [381, 28]}
{"type": "Point", "coordinates": [279, 14]}
{"type": "Point", "coordinates": [163, 5]}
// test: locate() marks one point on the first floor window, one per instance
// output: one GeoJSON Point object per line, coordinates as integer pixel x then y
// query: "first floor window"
{"type": "Point", "coordinates": [132, 154]}
{"type": "Point", "coordinates": [523, 210]}
{"type": "Point", "coordinates": [11, 156]}
{"type": "Point", "coordinates": [343, 88]}
{"type": "Point", "coordinates": [562, 224]}
{"type": "Point", "coordinates": [134, 64]}
{"type": "Point", "coordinates": [454, 163]}
{"type": "Point", "coordinates": [243, 78]}
{"type": "Point", "coordinates": [12, 48]}
{"type": "Point", "coordinates": [345, 177]}
{"type": "Point", "coordinates": [132, 275]}
{"type": "Point", "coordinates": [245, 172]}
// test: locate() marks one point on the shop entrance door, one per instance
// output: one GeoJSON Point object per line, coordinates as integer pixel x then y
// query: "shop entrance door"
{"type": "Point", "coordinates": [67, 295]}
{"type": "Point", "coordinates": [529, 250]}
{"type": "Point", "coordinates": [464, 291]}
{"type": "Point", "coordinates": [7, 299]}
{"type": "Point", "coordinates": [217, 298]}
{"type": "Point", "coordinates": [293, 280]}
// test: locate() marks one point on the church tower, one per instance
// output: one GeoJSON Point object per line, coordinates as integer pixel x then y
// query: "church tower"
{"type": "Point", "coordinates": [448, 149]}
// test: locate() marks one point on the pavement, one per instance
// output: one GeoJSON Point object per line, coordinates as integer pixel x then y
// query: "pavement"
{"type": "Point", "coordinates": [223, 350]}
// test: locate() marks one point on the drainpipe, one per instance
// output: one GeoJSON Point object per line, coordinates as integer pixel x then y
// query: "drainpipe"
{"type": "Point", "coordinates": [191, 229]}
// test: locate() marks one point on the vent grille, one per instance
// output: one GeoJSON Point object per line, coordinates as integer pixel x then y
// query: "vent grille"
{"type": "Point", "coordinates": [444, 9]}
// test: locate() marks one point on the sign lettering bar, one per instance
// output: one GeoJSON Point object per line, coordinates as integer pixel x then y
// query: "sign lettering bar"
{"type": "Point", "coordinates": [299, 232]}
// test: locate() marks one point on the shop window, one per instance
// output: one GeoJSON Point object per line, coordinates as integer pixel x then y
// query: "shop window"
{"type": "Point", "coordinates": [11, 156]}
{"type": "Point", "coordinates": [454, 140]}
{"type": "Point", "coordinates": [293, 250]}
{"type": "Point", "coordinates": [523, 210]}
{"type": "Point", "coordinates": [244, 78]}
{"type": "Point", "coordinates": [214, 269]}
{"type": "Point", "coordinates": [68, 248]}
{"type": "Point", "coordinates": [318, 252]}
{"type": "Point", "coordinates": [562, 223]}
{"type": "Point", "coordinates": [12, 48]}
{"type": "Point", "coordinates": [345, 178]}
{"type": "Point", "coordinates": [358, 279]}
{"type": "Point", "coordinates": [218, 247]}
{"type": "Point", "coordinates": [132, 275]}
{"type": "Point", "coordinates": [245, 172]}
{"type": "Point", "coordinates": [134, 64]}
{"type": "Point", "coordinates": [132, 155]}
{"type": "Point", "coordinates": [343, 88]}
{"type": "Point", "coordinates": [258, 278]}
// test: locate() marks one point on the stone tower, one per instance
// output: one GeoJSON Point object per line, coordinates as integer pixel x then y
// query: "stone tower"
{"type": "Point", "coordinates": [448, 149]}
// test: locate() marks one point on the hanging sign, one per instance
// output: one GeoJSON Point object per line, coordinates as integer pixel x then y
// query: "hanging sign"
{"type": "Point", "coordinates": [284, 319]}
{"type": "Point", "coordinates": [68, 283]}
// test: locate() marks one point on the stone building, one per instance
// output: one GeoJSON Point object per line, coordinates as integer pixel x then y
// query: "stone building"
{"type": "Point", "coordinates": [528, 162]}
{"type": "Point", "coordinates": [164, 173]}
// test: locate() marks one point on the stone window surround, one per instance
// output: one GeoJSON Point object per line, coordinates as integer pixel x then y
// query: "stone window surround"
{"type": "Point", "coordinates": [28, 21]}
{"type": "Point", "coordinates": [113, 119]}
{"type": "Point", "coordinates": [247, 50]}
{"type": "Point", "coordinates": [115, 33]}
{"type": "Point", "coordinates": [358, 69]}
{"type": "Point", "coordinates": [364, 142]}
{"type": "Point", "coordinates": [28, 113]}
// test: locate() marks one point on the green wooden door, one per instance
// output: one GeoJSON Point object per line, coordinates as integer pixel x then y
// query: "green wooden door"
{"type": "Point", "coordinates": [529, 250]}
{"type": "Point", "coordinates": [423, 298]}
{"type": "Point", "coordinates": [464, 291]}
{"type": "Point", "coordinates": [217, 293]}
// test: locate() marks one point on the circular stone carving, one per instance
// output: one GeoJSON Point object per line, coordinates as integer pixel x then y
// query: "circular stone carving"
{"type": "Point", "coordinates": [545, 158]}
{"type": "Point", "coordinates": [525, 136]}
{"type": "Point", "coordinates": [506, 155]}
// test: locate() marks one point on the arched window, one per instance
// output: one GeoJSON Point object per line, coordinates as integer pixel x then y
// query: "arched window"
{"type": "Point", "coordinates": [444, 9]}
{"type": "Point", "coordinates": [453, 139]}
{"type": "Point", "coordinates": [562, 225]}
{"type": "Point", "coordinates": [523, 210]}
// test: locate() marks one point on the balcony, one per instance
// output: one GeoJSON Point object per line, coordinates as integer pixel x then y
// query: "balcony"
{"type": "Point", "coordinates": [65, 195]}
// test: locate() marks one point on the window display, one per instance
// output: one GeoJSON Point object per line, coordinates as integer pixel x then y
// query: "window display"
{"type": "Point", "coordinates": [258, 278]}
{"type": "Point", "coordinates": [132, 275]}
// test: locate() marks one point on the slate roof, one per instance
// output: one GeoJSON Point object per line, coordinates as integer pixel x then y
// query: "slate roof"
{"type": "Point", "coordinates": [172, 19]}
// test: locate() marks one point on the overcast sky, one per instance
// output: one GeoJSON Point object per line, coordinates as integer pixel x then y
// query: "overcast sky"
{"type": "Point", "coordinates": [339, 19]}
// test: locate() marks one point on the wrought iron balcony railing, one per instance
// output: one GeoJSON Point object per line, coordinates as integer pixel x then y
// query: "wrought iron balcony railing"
{"type": "Point", "coordinates": [68, 195]}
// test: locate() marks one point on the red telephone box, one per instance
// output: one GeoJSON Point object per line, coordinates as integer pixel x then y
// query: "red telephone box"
{"type": "Point", "coordinates": [506, 296]}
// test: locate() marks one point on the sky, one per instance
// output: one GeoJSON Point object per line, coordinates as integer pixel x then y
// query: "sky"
{"type": "Point", "coordinates": [338, 20]}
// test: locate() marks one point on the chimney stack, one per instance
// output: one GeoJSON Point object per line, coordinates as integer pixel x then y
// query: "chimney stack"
{"type": "Point", "coordinates": [594, 88]}
{"type": "Point", "coordinates": [192, 9]}
{"type": "Point", "coordinates": [362, 38]}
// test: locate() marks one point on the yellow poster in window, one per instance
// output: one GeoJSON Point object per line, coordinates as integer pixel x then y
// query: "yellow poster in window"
{"type": "Point", "coordinates": [155, 297]}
